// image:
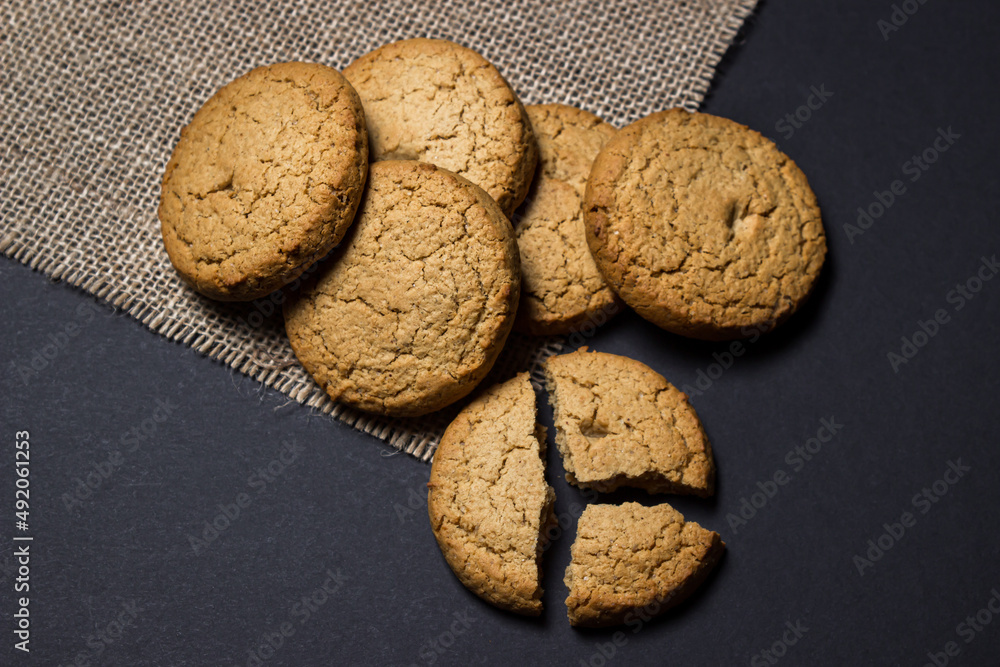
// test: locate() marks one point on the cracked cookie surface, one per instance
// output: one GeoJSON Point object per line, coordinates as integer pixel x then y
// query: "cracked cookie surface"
{"type": "Point", "coordinates": [487, 499]}
{"type": "Point", "coordinates": [265, 180]}
{"type": "Point", "coordinates": [562, 287]}
{"type": "Point", "coordinates": [630, 561]}
{"type": "Point", "coordinates": [702, 225]}
{"type": "Point", "coordinates": [620, 423]}
{"type": "Point", "coordinates": [436, 101]}
{"type": "Point", "coordinates": [412, 310]}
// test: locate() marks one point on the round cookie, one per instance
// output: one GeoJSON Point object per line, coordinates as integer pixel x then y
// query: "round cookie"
{"type": "Point", "coordinates": [489, 506]}
{"type": "Point", "coordinates": [436, 101]}
{"type": "Point", "coordinates": [561, 285]}
{"type": "Point", "coordinates": [265, 180]}
{"type": "Point", "coordinates": [413, 309]}
{"type": "Point", "coordinates": [703, 226]}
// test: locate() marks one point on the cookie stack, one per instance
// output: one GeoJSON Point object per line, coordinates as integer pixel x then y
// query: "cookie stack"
{"type": "Point", "coordinates": [699, 224]}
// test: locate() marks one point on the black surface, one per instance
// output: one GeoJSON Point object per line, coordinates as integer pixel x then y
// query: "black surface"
{"type": "Point", "coordinates": [347, 506]}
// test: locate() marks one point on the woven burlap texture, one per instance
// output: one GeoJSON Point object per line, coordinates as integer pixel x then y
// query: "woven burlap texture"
{"type": "Point", "coordinates": [95, 95]}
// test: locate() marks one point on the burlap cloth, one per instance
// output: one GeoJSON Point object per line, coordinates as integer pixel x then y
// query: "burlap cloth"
{"type": "Point", "coordinates": [95, 95]}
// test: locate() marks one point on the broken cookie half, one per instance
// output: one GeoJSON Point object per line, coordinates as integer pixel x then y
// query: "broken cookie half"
{"type": "Point", "coordinates": [620, 423]}
{"type": "Point", "coordinates": [631, 561]}
{"type": "Point", "coordinates": [488, 501]}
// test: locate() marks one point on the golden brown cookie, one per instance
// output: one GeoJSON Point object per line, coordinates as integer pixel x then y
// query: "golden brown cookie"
{"type": "Point", "coordinates": [487, 498]}
{"type": "Point", "coordinates": [703, 226]}
{"type": "Point", "coordinates": [439, 102]}
{"type": "Point", "coordinates": [561, 286]}
{"type": "Point", "coordinates": [630, 561]}
{"type": "Point", "coordinates": [265, 180]}
{"type": "Point", "coordinates": [620, 423]}
{"type": "Point", "coordinates": [412, 310]}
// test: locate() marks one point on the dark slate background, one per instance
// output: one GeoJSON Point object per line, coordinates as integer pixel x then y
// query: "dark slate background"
{"type": "Point", "coordinates": [115, 580]}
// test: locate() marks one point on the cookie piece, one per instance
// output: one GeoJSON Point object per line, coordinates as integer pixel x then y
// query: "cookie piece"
{"type": "Point", "coordinates": [629, 560]}
{"type": "Point", "coordinates": [487, 498]}
{"type": "Point", "coordinates": [412, 310]}
{"type": "Point", "coordinates": [265, 180]}
{"type": "Point", "coordinates": [620, 423]}
{"type": "Point", "coordinates": [561, 286]}
{"type": "Point", "coordinates": [436, 101]}
{"type": "Point", "coordinates": [703, 226]}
